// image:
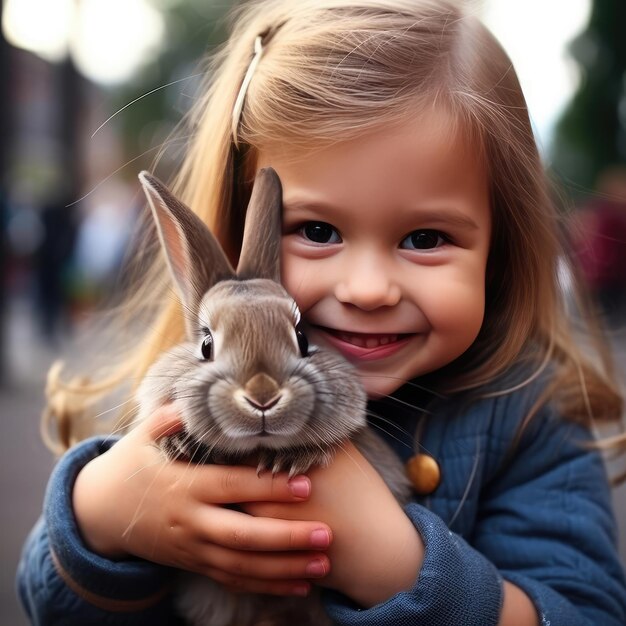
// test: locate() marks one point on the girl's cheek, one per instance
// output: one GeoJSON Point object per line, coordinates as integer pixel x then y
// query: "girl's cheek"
{"type": "Point", "coordinates": [452, 301]}
{"type": "Point", "coordinates": [298, 279]}
{"type": "Point", "coordinates": [287, 269]}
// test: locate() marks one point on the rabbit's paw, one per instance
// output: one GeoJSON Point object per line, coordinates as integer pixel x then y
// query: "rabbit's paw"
{"type": "Point", "coordinates": [294, 461]}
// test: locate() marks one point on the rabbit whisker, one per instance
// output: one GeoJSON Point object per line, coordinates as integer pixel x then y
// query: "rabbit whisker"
{"type": "Point", "coordinates": [391, 423]}
{"type": "Point", "coordinates": [381, 429]}
{"type": "Point", "coordinates": [145, 95]}
{"type": "Point", "coordinates": [131, 525]}
{"type": "Point", "coordinates": [119, 169]}
{"type": "Point", "coordinates": [388, 421]}
{"type": "Point", "coordinates": [351, 457]}
{"type": "Point", "coordinates": [143, 468]}
{"type": "Point", "coordinates": [409, 404]}
{"type": "Point", "coordinates": [409, 383]}
{"type": "Point", "coordinates": [113, 408]}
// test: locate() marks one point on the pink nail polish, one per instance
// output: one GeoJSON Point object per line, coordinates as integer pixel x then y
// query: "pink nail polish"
{"type": "Point", "coordinates": [300, 486]}
{"type": "Point", "coordinates": [315, 569]}
{"type": "Point", "coordinates": [301, 590]}
{"type": "Point", "coordinates": [320, 538]}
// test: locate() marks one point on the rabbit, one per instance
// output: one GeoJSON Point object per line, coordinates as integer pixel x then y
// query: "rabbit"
{"type": "Point", "coordinates": [249, 387]}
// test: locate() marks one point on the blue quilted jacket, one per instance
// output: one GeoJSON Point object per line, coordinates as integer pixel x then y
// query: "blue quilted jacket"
{"type": "Point", "coordinates": [533, 509]}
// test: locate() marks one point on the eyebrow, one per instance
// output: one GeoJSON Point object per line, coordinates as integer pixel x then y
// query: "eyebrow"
{"type": "Point", "coordinates": [448, 217]}
{"type": "Point", "coordinates": [435, 217]}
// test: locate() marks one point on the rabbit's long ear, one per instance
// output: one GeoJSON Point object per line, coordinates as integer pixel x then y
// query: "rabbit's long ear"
{"type": "Point", "coordinates": [195, 258]}
{"type": "Point", "coordinates": [260, 250]}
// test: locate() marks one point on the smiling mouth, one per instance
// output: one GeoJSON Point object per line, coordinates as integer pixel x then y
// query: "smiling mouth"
{"type": "Point", "coordinates": [365, 346]}
{"type": "Point", "coordinates": [365, 340]}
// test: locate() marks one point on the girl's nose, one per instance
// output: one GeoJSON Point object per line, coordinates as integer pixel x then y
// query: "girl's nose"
{"type": "Point", "coordinates": [368, 285]}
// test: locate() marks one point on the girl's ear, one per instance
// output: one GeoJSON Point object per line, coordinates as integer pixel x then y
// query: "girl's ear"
{"type": "Point", "coordinates": [195, 258]}
{"type": "Point", "coordinates": [260, 250]}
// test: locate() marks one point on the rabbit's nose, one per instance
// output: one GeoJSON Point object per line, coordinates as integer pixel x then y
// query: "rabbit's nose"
{"type": "Point", "coordinates": [262, 391]}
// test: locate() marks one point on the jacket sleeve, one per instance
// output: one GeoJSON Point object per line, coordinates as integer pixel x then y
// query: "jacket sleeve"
{"type": "Point", "coordinates": [543, 521]}
{"type": "Point", "coordinates": [548, 525]}
{"type": "Point", "coordinates": [456, 585]}
{"type": "Point", "coordinates": [60, 582]}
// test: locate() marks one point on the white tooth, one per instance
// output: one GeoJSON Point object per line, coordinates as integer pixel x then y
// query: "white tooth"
{"type": "Point", "coordinates": [393, 338]}
{"type": "Point", "coordinates": [357, 341]}
{"type": "Point", "coordinates": [384, 341]}
{"type": "Point", "coordinates": [372, 342]}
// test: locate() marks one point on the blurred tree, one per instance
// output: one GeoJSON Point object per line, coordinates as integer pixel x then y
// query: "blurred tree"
{"type": "Point", "coordinates": [591, 135]}
{"type": "Point", "coordinates": [192, 28]}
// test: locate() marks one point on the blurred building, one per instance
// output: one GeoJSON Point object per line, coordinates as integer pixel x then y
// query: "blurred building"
{"type": "Point", "coordinates": [42, 172]}
{"type": "Point", "coordinates": [50, 170]}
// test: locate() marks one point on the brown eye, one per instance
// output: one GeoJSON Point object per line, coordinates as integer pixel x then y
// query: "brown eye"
{"type": "Point", "coordinates": [425, 239]}
{"type": "Point", "coordinates": [206, 347]}
{"type": "Point", "coordinates": [320, 232]}
{"type": "Point", "coordinates": [303, 342]}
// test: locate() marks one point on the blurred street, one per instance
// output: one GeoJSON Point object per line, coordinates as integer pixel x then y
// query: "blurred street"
{"type": "Point", "coordinates": [26, 463]}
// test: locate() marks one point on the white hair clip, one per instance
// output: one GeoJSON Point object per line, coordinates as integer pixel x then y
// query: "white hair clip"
{"type": "Point", "coordinates": [241, 96]}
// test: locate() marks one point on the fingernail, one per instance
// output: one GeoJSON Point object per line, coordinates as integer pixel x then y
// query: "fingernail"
{"type": "Point", "coordinates": [320, 538]}
{"type": "Point", "coordinates": [301, 590]}
{"type": "Point", "coordinates": [300, 486]}
{"type": "Point", "coordinates": [316, 568]}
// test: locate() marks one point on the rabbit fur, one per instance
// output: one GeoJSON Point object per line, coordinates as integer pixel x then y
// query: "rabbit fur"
{"type": "Point", "coordinates": [247, 386]}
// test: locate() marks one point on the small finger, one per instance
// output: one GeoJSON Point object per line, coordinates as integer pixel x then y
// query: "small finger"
{"type": "Point", "coordinates": [233, 484]}
{"type": "Point", "coordinates": [266, 565]}
{"type": "Point", "coordinates": [240, 584]}
{"type": "Point", "coordinates": [164, 421]}
{"type": "Point", "coordinates": [239, 531]}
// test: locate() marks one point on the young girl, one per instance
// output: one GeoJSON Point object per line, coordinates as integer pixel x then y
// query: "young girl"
{"type": "Point", "coordinates": [420, 241]}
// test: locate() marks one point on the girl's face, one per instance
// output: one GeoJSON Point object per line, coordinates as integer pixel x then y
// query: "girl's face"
{"type": "Point", "coordinates": [385, 248]}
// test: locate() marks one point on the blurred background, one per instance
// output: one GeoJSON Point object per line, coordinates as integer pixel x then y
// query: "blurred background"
{"type": "Point", "coordinates": [90, 91]}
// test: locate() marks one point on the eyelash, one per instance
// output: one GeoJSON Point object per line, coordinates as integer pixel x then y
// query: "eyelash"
{"type": "Point", "coordinates": [442, 238]}
{"type": "Point", "coordinates": [302, 232]}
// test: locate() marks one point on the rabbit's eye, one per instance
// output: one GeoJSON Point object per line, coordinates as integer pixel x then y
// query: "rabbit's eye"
{"type": "Point", "coordinates": [303, 342]}
{"type": "Point", "coordinates": [207, 347]}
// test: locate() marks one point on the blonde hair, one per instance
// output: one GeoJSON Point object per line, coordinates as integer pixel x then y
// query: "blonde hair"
{"type": "Point", "coordinates": [333, 70]}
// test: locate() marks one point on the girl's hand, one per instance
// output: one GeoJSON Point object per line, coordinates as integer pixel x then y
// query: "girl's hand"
{"type": "Point", "coordinates": [132, 501]}
{"type": "Point", "coordinates": [376, 550]}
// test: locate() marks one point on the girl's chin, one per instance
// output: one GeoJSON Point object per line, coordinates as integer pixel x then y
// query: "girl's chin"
{"type": "Point", "coordinates": [380, 385]}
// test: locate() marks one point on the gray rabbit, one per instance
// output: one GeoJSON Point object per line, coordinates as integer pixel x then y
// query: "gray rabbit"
{"type": "Point", "coordinates": [248, 386]}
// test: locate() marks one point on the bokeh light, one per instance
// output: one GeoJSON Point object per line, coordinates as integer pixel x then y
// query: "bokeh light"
{"type": "Point", "coordinates": [114, 38]}
{"type": "Point", "coordinates": [109, 41]}
{"type": "Point", "coordinates": [41, 26]}
{"type": "Point", "coordinates": [535, 34]}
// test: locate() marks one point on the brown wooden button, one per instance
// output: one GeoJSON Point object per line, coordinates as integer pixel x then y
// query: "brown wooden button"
{"type": "Point", "coordinates": [424, 473]}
